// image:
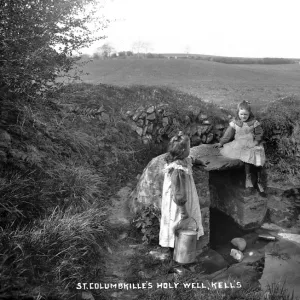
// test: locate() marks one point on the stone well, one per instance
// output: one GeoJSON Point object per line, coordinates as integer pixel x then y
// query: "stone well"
{"type": "Point", "coordinates": [220, 185]}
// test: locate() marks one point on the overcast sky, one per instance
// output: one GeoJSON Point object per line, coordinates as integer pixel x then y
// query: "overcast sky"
{"type": "Point", "coordinates": [250, 28]}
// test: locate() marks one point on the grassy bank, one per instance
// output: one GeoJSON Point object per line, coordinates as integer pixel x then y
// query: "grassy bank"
{"type": "Point", "coordinates": [60, 166]}
{"type": "Point", "coordinates": [60, 169]}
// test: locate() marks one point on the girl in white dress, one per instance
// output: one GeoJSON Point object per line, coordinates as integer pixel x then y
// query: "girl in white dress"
{"type": "Point", "coordinates": [179, 198]}
{"type": "Point", "coordinates": [247, 134]}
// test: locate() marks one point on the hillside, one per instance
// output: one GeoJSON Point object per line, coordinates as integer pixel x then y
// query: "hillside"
{"type": "Point", "coordinates": [223, 84]}
{"type": "Point", "coordinates": [61, 165]}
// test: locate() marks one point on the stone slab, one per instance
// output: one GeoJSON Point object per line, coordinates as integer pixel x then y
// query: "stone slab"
{"type": "Point", "coordinates": [213, 160]}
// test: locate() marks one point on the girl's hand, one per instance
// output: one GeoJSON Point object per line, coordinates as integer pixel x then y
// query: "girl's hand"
{"type": "Point", "coordinates": [217, 145]}
{"type": "Point", "coordinates": [183, 212]}
{"type": "Point", "coordinates": [184, 216]}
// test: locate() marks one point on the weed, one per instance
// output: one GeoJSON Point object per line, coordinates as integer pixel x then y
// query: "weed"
{"type": "Point", "coordinates": [148, 221]}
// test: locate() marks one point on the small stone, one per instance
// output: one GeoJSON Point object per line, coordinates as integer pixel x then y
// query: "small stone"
{"type": "Point", "coordinates": [203, 138]}
{"type": "Point", "coordinates": [151, 109]}
{"type": "Point", "coordinates": [207, 122]}
{"type": "Point", "coordinates": [150, 128]}
{"type": "Point", "coordinates": [151, 117]}
{"type": "Point", "coordinates": [136, 115]}
{"type": "Point", "coordinates": [179, 270]}
{"type": "Point", "coordinates": [210, 137]}
{"type": "Point", "coordinates": [202, 117]}
{"type": "Point", "coordinates": [145, 130]}
{"type": "Point", "coordinates": [139, 131]}
{"type": "Point", "coordinates": [129, 113]}
{"type": "Point", "coordinates": [240, 243]}
{"type": "Point", "coordinates": [165, 121]}
{"type": "Point", "coordinates": [237, 255]}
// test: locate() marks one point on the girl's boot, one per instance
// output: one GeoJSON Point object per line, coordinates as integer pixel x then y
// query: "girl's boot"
{"type": "Point", "coordinates": [259, 180]}
{"type": "Point", "coordinates": [248, 183]}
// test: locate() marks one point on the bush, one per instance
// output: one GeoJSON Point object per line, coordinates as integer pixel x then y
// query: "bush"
{"type": "Point", "coordinates": [148, 221]}
{"type": "Point", "coordinates": [282, 135]}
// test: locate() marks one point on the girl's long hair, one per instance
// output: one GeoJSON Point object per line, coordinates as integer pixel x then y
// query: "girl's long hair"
{"type": "Point", "coordinates": [246, 106]}
{"type": "Point", "coordinates": [177, 147]}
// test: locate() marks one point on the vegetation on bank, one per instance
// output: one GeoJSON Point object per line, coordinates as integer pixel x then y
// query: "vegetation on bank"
{"type": "Point", "coordinates": [58, 172]}
{"type": "Point", "coordinates": [59, 168]}
{"type": "Point", "coordinates": [281, 122]}
{"type": "Point", "coordinates": [60, 160]}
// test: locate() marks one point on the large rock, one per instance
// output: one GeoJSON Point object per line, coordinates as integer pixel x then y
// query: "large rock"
{"type": "Point", "coordinates": [149, 188]}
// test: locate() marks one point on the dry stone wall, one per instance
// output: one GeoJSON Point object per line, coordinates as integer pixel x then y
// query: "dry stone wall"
{"type": "Point", "coordinates": [159, 123]}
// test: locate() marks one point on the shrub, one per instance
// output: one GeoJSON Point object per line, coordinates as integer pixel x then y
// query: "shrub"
{"type": "Point", "coordinates": [148, 221]}
{"type": "Point", "coordinates": [282, 135]}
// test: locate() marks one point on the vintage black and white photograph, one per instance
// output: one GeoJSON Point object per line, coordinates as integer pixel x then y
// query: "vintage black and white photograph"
{"type": "Point", "coordinates": [149, 150]}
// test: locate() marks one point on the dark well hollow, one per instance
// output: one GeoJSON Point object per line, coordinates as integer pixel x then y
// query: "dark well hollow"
{"type": "Point", "coordinates": [223, 229]}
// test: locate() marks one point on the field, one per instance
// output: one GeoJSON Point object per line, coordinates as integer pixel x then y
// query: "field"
{"type": "Point", "coordinates": [224, 84]}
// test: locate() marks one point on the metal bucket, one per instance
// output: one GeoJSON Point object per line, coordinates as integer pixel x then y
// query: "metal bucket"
{"type": "Point", "coordinates": [185, 245]}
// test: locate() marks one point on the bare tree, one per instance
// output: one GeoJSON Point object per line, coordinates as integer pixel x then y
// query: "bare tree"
{"type": "Point", "coordinates": [140, 47]}
{"type": "Point", "coordinates": [106, 50]}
